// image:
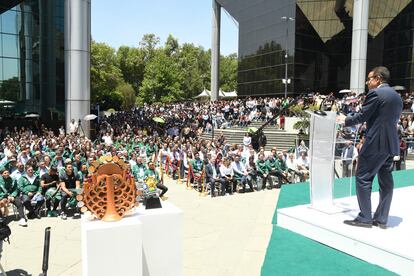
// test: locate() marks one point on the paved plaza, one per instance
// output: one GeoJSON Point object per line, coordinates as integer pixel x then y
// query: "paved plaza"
{"type": "Point", "coordinates": [222, 236]}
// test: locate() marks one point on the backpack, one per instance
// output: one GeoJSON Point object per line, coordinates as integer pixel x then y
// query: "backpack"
{"type": "Point", "coordinates": [5, 231]}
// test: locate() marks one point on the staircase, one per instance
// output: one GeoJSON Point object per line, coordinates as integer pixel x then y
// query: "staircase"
{"type": "Point", "coordinates": [280, 139]}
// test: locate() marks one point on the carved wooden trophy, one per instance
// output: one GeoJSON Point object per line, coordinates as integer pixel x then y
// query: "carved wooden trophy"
{"type": "Point", "coordinates": [109, 191]}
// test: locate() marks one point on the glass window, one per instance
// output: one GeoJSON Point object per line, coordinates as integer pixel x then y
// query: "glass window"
{"type": "Point", "coordinates": [10, 68]}
{"type": "Point", "coordinates": [10, 22]}
{"type": "Point", "coordinates": [10, 46]}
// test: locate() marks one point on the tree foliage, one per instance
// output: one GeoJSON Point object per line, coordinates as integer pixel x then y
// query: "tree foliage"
{"type": "Point", "coordinates": [152, 72]}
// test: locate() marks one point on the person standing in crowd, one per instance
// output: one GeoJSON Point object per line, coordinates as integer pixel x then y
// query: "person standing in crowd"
{"type": "Point", "coordinates": [381, 110]}
{"type": "Point", "coordinates": [348, 156]}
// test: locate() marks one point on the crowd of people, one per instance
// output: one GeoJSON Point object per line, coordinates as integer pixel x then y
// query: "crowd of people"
{"type": "Point", "coordinates": [42, 169]}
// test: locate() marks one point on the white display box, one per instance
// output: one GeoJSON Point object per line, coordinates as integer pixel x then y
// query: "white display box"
{"type": "Point", "coordinates": [162, 240]}
{"type": "Point", "coordinates": [112, 248]}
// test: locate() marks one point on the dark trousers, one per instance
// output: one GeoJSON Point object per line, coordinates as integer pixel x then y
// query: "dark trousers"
{"type": "Point", "coordinates": [229, 185]}
{"type": "Point", "coordinates": [264, 181]}
{"type": "Point", "coordinates": [163, 188]}
{"type": "Point", "coordinates": [212, 183]}
{"type": "Point", "coordinates": [19, 205]}
{"type": "Point", "coordinates": [27, 203]}
{"type": "Point", "coordinates": [245, 180]}
{"type": "Point", "coordinates": [64, 201]}
{"type": "Point", "coordinates": [368, 167]}
{"type": "Point", "coordinates": [280, 176]}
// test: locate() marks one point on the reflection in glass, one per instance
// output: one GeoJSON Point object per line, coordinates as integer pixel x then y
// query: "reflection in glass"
{"type": "Point", "coordinates": [10, 46]}
{"type": "Point", "coordinates": [10, 22]}
{"type": "Point", "coordinates": [10, 68]}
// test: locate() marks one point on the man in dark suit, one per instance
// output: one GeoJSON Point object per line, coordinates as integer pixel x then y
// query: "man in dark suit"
{"type": "Point", "coordinates": [381, 110]}
{"type": "Point", "coordinates": [212, 175]}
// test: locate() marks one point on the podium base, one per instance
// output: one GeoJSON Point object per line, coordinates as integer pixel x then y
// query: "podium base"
{"type": "Point", "coordinates": [391, 248]}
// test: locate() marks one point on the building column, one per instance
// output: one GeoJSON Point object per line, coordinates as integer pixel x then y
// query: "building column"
{"type": "Point", "coordinates": [77, 61]}
{"type": "Point", "coordinates": [359, 45]}
{"type": "Point", "coordinates": [215, 52]}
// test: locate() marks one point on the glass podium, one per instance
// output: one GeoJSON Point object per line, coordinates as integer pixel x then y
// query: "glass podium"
{"type": "Point", "coordinates": [324, 189]}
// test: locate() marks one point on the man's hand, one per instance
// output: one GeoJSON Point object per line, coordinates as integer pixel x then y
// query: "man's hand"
{"type": "Point", "coordinates": [30, 194]}
{"type": "Point", "coordinates": [11, 199]}
{"type": "Point", "coordinates": [340, 119]}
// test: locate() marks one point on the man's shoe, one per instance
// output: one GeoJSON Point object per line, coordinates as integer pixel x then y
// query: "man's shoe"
{"type": "Point", "coordinates": [358, 223]}
{"type": "Point", "coordinates": [379, 225]}
{"type": "Point", "coordinates": [63, 216]}
{"type": "Point", "coordinates": [164, 198]}
{"type": "Point", "coordinates": [76, 215]}
{"type": "Point", "coordinates": [37, 215]}
{"type": "Point", "coordinates": [22, 222]}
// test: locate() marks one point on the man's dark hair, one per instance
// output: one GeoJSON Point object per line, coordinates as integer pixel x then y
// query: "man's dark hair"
{"type": "Point", "coordinates": [382, 72]}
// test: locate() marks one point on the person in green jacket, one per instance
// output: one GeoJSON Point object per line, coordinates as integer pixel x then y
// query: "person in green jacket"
{"type": "Point", "coordinates": [275, 170]}
{"type": "Point", "coordinates": [262, 171]}
{"type": "Point", "coordinates": [31, 191]}
{"type": "Point", "coordinates": [151, 172]}
{"type": "Point", "coordinates": [10, 194]}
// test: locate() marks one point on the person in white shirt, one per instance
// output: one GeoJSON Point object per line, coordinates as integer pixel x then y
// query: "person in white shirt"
{"type": "Point", "coordinates": [292, 165]}
{"type": "Point", "coordinates": [227, 177]}
{"type": "Point", "coordinates": [73, 126]}
{"type": "Point", "coordinates": [240, 173]}
{"type": "Point", "coordinates": [303, 164]}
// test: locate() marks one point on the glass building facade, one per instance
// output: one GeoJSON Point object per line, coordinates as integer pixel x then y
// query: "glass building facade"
{"type": "Point", "coordinates": [32, 58]}
{"type": "Point", "coordinates": [318, 43]}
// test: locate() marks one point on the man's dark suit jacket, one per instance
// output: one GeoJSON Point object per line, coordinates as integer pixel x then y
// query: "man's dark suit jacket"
{"type": "Point", "coordinates": [209, 171]}
{"type": "Point", "coordinates": [381, 110]}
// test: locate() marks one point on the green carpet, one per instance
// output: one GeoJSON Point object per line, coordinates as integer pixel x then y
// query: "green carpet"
{"type": "Point", "coordinates": [289, 253]}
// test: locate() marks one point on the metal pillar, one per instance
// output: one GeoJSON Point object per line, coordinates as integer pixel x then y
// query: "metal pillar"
{"type": "Point", "coordinates": [215, 52]}
{"type": "Point", "coordinates": [77, 61]}
{"type": "Point", "coordinates": [287, 19]}
{"type": "Point", "coordinates": [359, 45]}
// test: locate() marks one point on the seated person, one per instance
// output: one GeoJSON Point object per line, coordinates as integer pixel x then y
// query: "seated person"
{"type": "Point", "coordinates": [69, 183]}
{"type": "Point", "coordinates": [151, 172]}
{"type": "Point", "coordinates": [241, 174]}
{"type": "Point", "coordinates": [198, 165]}
{"type": "Point", "coordinates": [49, 182]}
{"type": "Point", "coordinates": [9, 193]}
{"type": "Point", "coordinates": [31, 191]}
{"type": "Point", "coordinates": [227, 180]}
{"type": "Point", "coordinates": [262, 172]}
{"type": "Point", "coordinates": [212, 175]}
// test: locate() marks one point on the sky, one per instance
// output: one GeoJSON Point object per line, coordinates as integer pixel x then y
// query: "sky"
{"type": "Point", "coordinates": [187, 20]}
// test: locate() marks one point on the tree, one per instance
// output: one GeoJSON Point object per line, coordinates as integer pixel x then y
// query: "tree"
{"type": "Point", "coordinates": [171, 46]}
{"type": "Point", "coordinates": [128, 95]}
{"type": "Point", "coordinates": [148, 44]}
{"type": "Point", "coordinates": [162, 80]}
{"type": "Point", "coordinates": [195, 67]}
{"type": "Point", "coordinates": [105, 76]}
{"type": "Point", "coordinates": [228, 73]}
{"type": "Point", "coordinates": [131, 62]}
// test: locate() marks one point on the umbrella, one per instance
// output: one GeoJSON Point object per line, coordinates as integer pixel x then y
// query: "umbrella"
{"type": "Point", "coordinates": [158, 120]}
{"type": "Point", "coordinates": [33, 115]}
{"type": "Point", "coordinates": [252, 129]}
{"type": "Point", "coordinates": [399, 88]}
{"type": "Point", "coordinates": [90, 117]}
{"type": "Point", "coordinates": [343, 91]}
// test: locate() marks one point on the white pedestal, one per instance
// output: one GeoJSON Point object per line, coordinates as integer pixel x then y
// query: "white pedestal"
{"type": "Point", "coordinates": [162, 240]}
{"type": "Point", "coordinates": [112, 248]}
{"type": "Point", "coordinates": [392, 248]}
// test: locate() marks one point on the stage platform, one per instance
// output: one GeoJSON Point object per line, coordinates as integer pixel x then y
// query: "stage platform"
{"type": "Point", "coordinates": [392, 249]}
